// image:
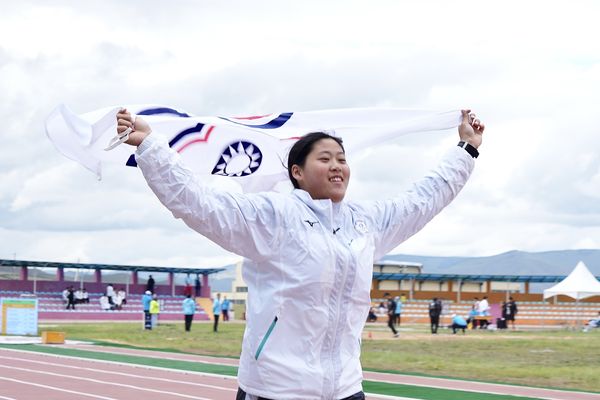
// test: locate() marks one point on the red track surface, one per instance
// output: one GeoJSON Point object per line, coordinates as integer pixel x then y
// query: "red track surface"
{"type": "Point", "coordinates": [35, 376]}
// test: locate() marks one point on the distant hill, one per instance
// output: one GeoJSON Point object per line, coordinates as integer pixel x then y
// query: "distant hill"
{"type": "Point", "coordinates": [560, 262]}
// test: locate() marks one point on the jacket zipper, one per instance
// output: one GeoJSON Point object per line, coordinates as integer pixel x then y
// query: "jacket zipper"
{"type": "Point", "coordinates": [264, 341]}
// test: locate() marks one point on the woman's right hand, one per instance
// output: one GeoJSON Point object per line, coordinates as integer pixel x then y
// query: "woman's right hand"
{"type": "Point", "coordinates": [140, 127]}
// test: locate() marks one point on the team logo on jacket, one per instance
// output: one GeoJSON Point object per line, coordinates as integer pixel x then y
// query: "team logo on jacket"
{"type": "Point", "coordinates": [240, 158]}
{"type": "Point", "coordinates": [361, 226]}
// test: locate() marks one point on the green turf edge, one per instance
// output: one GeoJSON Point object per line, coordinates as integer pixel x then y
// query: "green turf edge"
{"type": "Point", "coordinates": [384, 388]}
{"type": "Point", "coordinates": [453, 378]}
{"type": "Point", "coordinates": [160, 349]}
{"type": "Point", "coordinates": [394, 372]}
{"type": "Point", "coordinates": [427, 393]}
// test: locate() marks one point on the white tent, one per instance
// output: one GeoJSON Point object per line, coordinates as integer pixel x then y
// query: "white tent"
{"type": "Point", "coordinates": [580, 284]}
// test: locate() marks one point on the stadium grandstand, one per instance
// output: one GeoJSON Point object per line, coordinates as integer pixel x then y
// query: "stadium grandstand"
{"type": "Point", "coordinates": [47, 281]}
{"type": "Point", "coordinates": [394, 278]}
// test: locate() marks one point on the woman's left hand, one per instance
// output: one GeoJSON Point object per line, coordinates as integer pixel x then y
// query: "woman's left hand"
{"type": "Point", "coordinates": [470, 129]}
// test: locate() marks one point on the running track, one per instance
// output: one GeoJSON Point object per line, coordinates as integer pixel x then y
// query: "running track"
{"type": "Point", "coordinates": [34, 376]}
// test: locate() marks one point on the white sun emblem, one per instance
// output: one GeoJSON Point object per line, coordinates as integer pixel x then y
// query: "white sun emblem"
{"type": "Point", "coordinates": [238, 159]}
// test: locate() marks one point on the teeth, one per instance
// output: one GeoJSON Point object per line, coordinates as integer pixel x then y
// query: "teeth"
{"type": "Point", "coordinates": [336, 179]}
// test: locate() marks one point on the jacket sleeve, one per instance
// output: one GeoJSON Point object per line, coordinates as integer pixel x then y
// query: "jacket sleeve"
{"type": "Point", "coordinates": [399, 218]}
{"type": "Point", "coordinates": [247, 225]}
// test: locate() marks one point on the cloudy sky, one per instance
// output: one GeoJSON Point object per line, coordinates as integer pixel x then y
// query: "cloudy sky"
{"type": "Point", "coordinates": [530, 70]}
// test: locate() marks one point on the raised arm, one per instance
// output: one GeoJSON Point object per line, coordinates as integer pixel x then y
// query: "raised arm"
{"type": "Point", "coordinates": [247, 225]}
{"type": "Point", "coordinates": [401, 217]}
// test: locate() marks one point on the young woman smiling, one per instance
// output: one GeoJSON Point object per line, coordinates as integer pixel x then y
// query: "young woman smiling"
{"type": "Point", "coordinates": [309, 254]}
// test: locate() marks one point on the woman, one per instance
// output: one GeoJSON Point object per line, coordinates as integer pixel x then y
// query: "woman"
{"type": "Point", "coordinates": [310, 254]}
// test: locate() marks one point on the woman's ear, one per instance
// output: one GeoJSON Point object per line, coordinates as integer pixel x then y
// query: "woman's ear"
{"type": "Point", "coordinates": [296, 172]}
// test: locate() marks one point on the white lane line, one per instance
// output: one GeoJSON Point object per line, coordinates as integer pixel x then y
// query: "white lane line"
{"type": "Point", "coordinates": [71, 377]}
{"type": "Point", "coordinates": [97, 370]}
{"type": "Point", "coordinates": [6, 398]}
{"type": "Point", "coordinates": [383, 396]}
{"type": "Point", "coordinates": [371, 395]}
{"type": "Point", "coordinates": [34, 353]}
{"type": "Point", "coordinates": [56, 388]}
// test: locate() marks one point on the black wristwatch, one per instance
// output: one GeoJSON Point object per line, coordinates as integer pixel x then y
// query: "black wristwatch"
{"type": "Point", "coordinates": [469, 148]}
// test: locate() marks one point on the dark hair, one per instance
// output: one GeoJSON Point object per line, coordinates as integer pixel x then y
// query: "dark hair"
{"type": "Point", "coordinates": [302, 148]}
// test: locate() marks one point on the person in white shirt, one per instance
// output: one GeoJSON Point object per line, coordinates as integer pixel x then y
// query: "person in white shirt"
{"type": "Point", "coordinates": [123, 295]}
{"type": "Point", "coordinates": [104, 303]}
{"type": "Point", "coordinates": [78, 296]}
{"type": "Point", "coordinates": [484, 306]}
{"type": "Point", "coordinates": [309, 254]}
{"type": "Point", "coordinates": [65, 295]}
{"type": "Point", "coordinates": [110, 293]}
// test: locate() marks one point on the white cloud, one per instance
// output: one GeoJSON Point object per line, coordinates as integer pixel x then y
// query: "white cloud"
{"type": "Point", "coordinates": [531, 70]}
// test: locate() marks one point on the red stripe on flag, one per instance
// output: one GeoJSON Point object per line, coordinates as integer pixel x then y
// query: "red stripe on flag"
{"type": "Point", "coordinates": [199, 140]}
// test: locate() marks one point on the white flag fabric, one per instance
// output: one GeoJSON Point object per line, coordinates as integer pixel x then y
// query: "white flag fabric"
{"type": "Point", "coordinates": [252, 150]}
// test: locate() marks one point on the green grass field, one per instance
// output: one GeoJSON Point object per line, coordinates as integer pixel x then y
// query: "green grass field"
{"type": "Point", "coordinates": [559, 359]}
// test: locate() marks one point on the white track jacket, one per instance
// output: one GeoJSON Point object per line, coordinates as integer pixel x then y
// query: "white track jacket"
{"type": "Point", "coordinates": [309, 268]}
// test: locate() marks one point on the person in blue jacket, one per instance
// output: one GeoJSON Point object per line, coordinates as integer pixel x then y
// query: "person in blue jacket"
{"type": "Point", "coordinates": [458, 322]}
{"type": "Point", "coordinates": [225, 308]}
{"type": "Point", "coordinates": [189, 308]}
{"type": "Point", "coordinates": [146, 299]}
{"type": "Point", "coordinates": [397, 311]}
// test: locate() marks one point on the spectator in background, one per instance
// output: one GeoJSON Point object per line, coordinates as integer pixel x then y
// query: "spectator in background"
{"type": "Point", "coordinates": [123, 295]}
{"type": "Point", "coordinates": [501, 322]}
{"type": "Point", "coordinates": [476, 304]}
{"type": "Point", "coordinates": [104, 303]}
{"type": "Point", "coordinates": [435, 310]}
{"type": "Point", "coordinates": [225, 309]}
{"type": "Point", "coordinates": [150, 284]}
{"type": "Point", "coordinates": [403, 298]}
{"type": "Point", "coordinates": [513, 310]}
{"type": "Point", "coordinates": [154, 311]}
{"type": "Point", "coordinates": [383, 306]}
{"type": "Point", "coordinates": [110, 293]}
{"type": "Point", "coordinates": [65, 295]}
{"type": "Point", "coordinates": [216, 311]}
{"type": "Point", "coordinates": [372, 317]}
{"type": "Point", "coordinates": [70, 298]}
{"type": "Point", "coordinates": [189, 308]}
{"type": "Point", "coordinates": [78, 296]}
{"type": "Point", "coordinates": [484, 306]}
{"type": "Point", "coordinates": [118, 302]}
{"type": "Point", "coordinates": [458, 322]}
{"type": "Point", "coordinates": [85, 296]}
{"type": "Point", "coordinates": [471, 318]}
{"type": "Point", "coordinates": [197, 285]}
{"type": "Point", "coordinates": [146, 299]}
{"type": "Point", "coordinates": [592, 323]}
{"type": "Point", "coordinates": [187, 289]}
{"type": "Point", "coordinates": [391, 309]}
{"type": "Point", "coordinates": [397, 311]}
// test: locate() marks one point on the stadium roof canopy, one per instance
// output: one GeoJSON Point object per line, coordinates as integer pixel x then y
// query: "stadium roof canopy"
{"type": "Point", "coordinates": [132, 268]}
{"type": "Point", "coordinates": [465, 278]}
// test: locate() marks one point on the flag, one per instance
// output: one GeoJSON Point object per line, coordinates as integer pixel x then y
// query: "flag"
{"type": "Point", "coordinates": [250, 149]}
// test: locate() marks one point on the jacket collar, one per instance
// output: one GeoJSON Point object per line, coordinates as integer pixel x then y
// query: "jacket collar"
{"type": "Point", "coordinates": [326, 210]}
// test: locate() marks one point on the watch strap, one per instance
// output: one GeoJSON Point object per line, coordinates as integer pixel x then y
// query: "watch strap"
{"type": "Point", "coordinates": [469, 148]}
